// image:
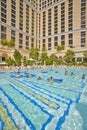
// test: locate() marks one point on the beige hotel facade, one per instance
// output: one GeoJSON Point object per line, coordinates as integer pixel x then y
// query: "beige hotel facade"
{"type": "Point", "coordinates": [43, 23]}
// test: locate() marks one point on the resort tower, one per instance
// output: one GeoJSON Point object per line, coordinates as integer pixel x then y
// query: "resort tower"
{"type": "Point", "coordinates": [44, 23]}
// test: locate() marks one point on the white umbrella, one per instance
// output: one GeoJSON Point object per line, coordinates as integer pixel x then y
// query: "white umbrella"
{"type": "Point", "coordinates": [31, 59]}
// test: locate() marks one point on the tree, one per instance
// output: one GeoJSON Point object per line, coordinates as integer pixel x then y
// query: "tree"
{"type": "Point", "coordinates": [11, 43]}
{"type": "Point", "coordinates": [34, 54]}
{"type": "Point", "coordinates": [59, 48]}
{"type": "Point", "coordinates": [44, 49]}
{"type": "Point", "coordinates": [69, 55]}
{"type": "Point", "coordinates": [10, 61]}
{"type": "Point", "coordinates": [43, 57]}
{"type": "Point", "coordinates": [85, 56]}
{"type": "Point", "coordinates": [18, 57]}
{"type": "Point", "coordinates": [53, 58]}
{"type": "Point", "coordinates": [4, 42]}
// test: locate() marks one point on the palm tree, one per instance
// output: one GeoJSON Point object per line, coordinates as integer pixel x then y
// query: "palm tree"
{"type": "Point", "coordinates": [34, 53]}
{"type": "Point", "coordinates": [69, 55]}
{"type": "Point", "coordinates": [43, 57]}
{"type": "Point", "coordinates": [53, 58]}
{"type": "Point", "coordinates": [85, 56]}
{"type": "Point", "coordinates": [10, 43]}
{"type": "Point", "coordinates": [18, 57]}
{"type": "Point", "coordinates": [4, 42]}
{"type": "Point", "coordinates": [59, 48]}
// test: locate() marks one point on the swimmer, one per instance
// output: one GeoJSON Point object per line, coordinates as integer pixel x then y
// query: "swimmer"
{"type": "Point", "coordinates": [51, 79]}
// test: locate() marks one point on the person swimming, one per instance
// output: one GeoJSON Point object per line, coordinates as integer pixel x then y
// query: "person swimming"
{"type": "Point", "coordinates": [66, 73]}
{"type": "Point", "coordinates": [39, 78]}
{"type": "Point", "coordinates": [51, 79]}
{"type": "Point", "coordinates": [83, 76]}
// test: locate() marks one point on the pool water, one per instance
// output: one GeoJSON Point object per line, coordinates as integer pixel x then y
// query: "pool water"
{"type": "Point", "coordinates": [40, 105]}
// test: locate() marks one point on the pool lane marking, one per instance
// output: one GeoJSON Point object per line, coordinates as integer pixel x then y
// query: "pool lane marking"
{"type": "Point", "coordinates": [50, 95]}
{"type": "Point", "coordinates": [48, 92]}
{"type": "Point", "coordinates": [78, 96]}
{"type": "Point", "coordinates": [35, 87]}
{"type": "Point", "coordinates": [2, 124]}
{"type": "Point", "coordinates": [76, 100]}
{"type": "Point", "coordinates": [9, 114]}
{"type": "Point", "coordinates": [26, 119]}
{"type": "Point", "coordinates": [63, 118]}
{"type": "Point", "coordinates": [49, 119]}
{"type": "Point", "coordinates": [39, 97]}
{"type": "Point", "coordinates": [28, 122]}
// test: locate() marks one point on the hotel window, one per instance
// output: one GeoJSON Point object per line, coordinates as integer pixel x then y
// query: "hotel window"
{"type": "Point", "coordinates": [3, 32]}
{"type": "Point", "coordinates": [39, 25]}
{"type": "Point", "coordinates": [44, 45]}
{"type": "Point", "coordinates": [44, 24]}
{"type": "Point", "coordinates": [49, 22]}
{"type": "Point", "coordinates": [3, 11]}
{"type": "Point", "coordinates": [33, 20]}
{"type": "Point", "coordinates": [49, 43]}
{"type": "Point", "coordinates": [20, 40]}
{"type": "Point", "coordinates": [21, 15]}
{"type": "Point", "coordinates": [83, 13]}
{"type": "Point", "coordinates": [55, 19]}
{"type": "Point", "coordinates": [13, 35]}
{"type": "Point", "coordinates": [3, 29]}
{"type": "Point", "coordinates": [27, 18]}
{"type": "Point", "coordinates": [62, 40]}
{"type": "Point", "coordinates": [70, 40]}
{"type": "Point", "coordinates": [44, 40]}
{"type": "Point", "coordinates": [55, 42]}
{"type": "Point", "coordinates": [70, 15]}
{"type": "Point", "coordinates": [27, 42]}
{"type": "Point", "coordinates": [63, 17]}
{"type": "Point", "coordinates": [83, 38]}
{"type": "Point", "coordinates": [32, 42]}
{"type": "Point", "coordinates": [3, 36]}
{"type": "Point", "coordinates": [13, 13]}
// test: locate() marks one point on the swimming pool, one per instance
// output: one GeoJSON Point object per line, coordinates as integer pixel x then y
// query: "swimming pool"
{"type": "Point", "coordinates": [40, 105]}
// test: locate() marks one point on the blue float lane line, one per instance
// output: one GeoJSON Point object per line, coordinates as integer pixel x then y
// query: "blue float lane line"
{"type": "Point", "coordinates": [63, 118]}
{"type": "Point", "coordinates": [27, 120]}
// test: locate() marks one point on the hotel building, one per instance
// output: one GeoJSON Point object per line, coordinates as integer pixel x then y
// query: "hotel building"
{"type": "Point", "coordinates": [44, 23]}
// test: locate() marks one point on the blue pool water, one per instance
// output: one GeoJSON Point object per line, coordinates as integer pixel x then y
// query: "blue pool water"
{"type": "Point", "coordinates": [40, 105]}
